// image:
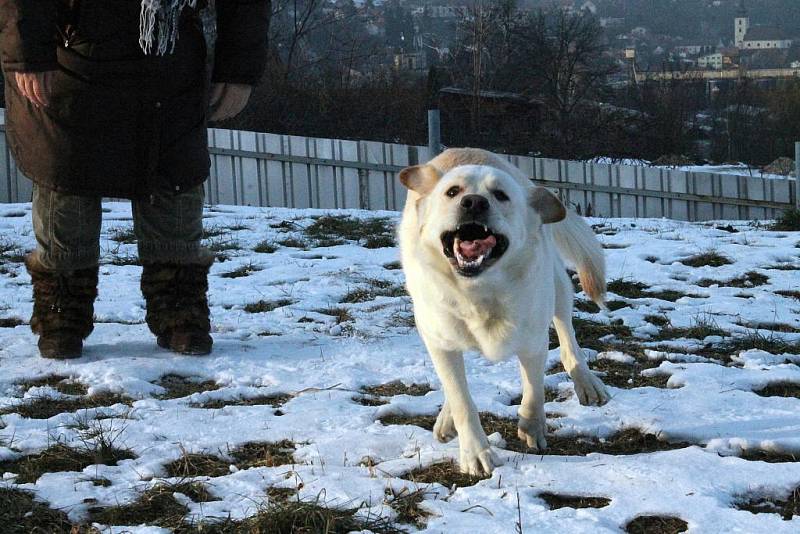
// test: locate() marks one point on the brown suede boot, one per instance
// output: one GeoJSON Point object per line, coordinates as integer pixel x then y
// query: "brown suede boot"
{"type": "Point", "coordinates": [63, 308]}
{"type": "Point", "coordinates": [177, 306]}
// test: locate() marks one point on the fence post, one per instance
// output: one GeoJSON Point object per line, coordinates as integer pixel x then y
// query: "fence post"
{"type": "Point", "coordinates": [363, 178]}
{"type": "Point", "coordinates": [434, 132]}
{"type": "Point", "coordinates": [797, 175]}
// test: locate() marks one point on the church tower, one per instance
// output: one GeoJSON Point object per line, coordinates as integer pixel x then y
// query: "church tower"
{"type": "Point", "coordinates": [741, 25]}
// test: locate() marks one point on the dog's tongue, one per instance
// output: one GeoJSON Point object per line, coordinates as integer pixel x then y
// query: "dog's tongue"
{"type": "Point", "coordinates": [471, 250]}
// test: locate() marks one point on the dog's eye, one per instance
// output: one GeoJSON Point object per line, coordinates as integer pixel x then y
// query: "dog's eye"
{"type": "Point", "coordinates": [500, 195]}
{"type": "Point", "coordinates": [453, 191]}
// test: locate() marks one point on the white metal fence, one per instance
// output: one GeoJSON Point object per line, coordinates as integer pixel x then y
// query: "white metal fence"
{"type": "Point", "coordinates": [260, 169]}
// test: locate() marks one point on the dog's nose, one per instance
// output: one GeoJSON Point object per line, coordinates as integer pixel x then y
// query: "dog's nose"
{"type": "Point", "coordinates": [474, 204]}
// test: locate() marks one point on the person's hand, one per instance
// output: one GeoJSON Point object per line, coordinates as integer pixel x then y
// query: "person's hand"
{"type": "Point", "coordinates": [35, 86]}
{"type": "Point", "coordinates": [228, 100]}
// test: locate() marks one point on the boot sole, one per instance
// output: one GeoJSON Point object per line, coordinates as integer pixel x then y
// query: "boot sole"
{"type": "Point", "coordinates": [60, 355]}
{"type": "Point", "coordinates": [164, 343]}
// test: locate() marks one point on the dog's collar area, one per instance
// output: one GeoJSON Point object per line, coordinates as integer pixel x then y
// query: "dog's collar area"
{"type": "Point", "coordinates": [472, 248]}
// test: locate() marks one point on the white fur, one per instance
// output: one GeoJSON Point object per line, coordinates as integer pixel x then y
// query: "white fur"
{"type": "Point", "coordinates": [504, 311]}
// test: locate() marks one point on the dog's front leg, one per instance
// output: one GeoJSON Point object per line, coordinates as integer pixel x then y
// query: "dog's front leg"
{"type": "Point", "coordinates": [588, 387]}
{"type": "Point", "coordinates": [476, 455]}
{"type": "Point", "coordinates": [532, 424]}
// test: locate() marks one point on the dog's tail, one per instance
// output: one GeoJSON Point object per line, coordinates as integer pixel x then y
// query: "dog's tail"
{"type": "Point", "coordinates": [578, 246]}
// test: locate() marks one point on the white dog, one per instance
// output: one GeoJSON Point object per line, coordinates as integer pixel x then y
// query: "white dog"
{"type": "Point", "coordinates": [480, 249]}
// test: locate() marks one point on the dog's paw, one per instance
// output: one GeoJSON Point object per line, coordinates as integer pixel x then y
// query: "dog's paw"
{"type": "Point", "coordinates": [480, 463]}
{"type": "Point", "coordinates": [444, 429]}
{"type": "Point", "coordinates": [590, 389]}
{"type": "Point", "coordinates": [532, 432]}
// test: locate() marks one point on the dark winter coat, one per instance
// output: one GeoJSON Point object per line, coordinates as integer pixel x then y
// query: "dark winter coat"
{"type": "Point", "coordinates": [119, 123]}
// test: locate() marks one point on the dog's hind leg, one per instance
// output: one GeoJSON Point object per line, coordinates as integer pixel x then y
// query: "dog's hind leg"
{"type": "Point", "coordinates": [532, 425]}
{"type": "Point", "coordinates": [588, 387]}
{"type": "Point", "coordinates": [444, 429]}
{"type": "Point", "coordinates": [476, 455]}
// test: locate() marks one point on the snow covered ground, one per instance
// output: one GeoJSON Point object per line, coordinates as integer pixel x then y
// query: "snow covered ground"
{"type": "Point", "coordinates": [305, 324]}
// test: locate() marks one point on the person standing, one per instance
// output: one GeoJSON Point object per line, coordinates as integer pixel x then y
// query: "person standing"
{"type": "Point", "coordinates": [109, 98]}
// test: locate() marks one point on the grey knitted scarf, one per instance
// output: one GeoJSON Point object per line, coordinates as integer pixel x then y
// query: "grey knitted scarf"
{"type": "Point", "coordinates": [158, 25]}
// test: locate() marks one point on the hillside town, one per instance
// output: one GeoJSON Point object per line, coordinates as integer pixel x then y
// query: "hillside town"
{"type": "Point", "coordinates": [421, 34]}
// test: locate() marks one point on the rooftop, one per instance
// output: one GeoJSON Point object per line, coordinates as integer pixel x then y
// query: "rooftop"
{"type": "Point", "coordinates": [765, 33]}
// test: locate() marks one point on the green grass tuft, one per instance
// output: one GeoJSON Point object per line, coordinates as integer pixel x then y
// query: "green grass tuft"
{"type": "Point", "coordinates": [789, 221]}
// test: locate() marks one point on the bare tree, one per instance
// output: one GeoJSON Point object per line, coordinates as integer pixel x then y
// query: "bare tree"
{"type": "Point", "coordinates": [567, 56]}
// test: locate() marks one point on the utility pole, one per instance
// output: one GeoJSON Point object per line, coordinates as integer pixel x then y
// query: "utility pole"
{"type": "Point", "coordinates": [434, 132]}
{"type": "Point", "coordinates": [797, 175]}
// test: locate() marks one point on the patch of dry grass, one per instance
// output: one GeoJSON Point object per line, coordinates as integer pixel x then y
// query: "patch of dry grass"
{"type": "Point", "coordinates": [397, 387]}
{"type": "Point", "coordinates": [589, 334]}
{"type": "Point", "coordinates": [700, 328]}
{"type": "Point", "coordinates": [11, 322]}
{"type": "Point", "coordinates": [246, 456]}
{"type": "Point", "coordinates": [656, 524]}
{"type": "Point", "coordinates": [177, 386]}
{"type": "Point", "coordinates": [264, 306]}
{"type": "Point", "coordinates": [628, 376]}
{"type": "Point", "coordinates": [445, 473]}
{"type": "Point", "coordinates": [341, 314]}
{"type": "Point", "coordinates": [556, 501]}
{"type": "Point", "coordinates": [369, 233]}
{"type": "Point", "coordinates": [47, 407]}
{"type": "Point", "coordinates": [264, 454]}
{"type": "Point", "coordinates": [780, 389]}
{"type": "Point", "coordinates": [276, 400]}
{"type": "Point", "coordinates": [630, 441]}
{"type": "Point", "coordinates": [787, 507]}
{"type": "Point", "coordinates": [706, 259]}
{"type": "Point", "coordinates": [774, 326]}
{"type": "Point", "coordinates": [406, 503]}
{"type": "Point", "coordinates": [197, 465]}
{"type": "Point", "coordinates": [242, 271]}
{"type": "Point", "coordinates": [748, 279]}
{"type": "Point", "coordinates": [21, 513]}
{"type": "Point", "coordinates": [658, 320]}
{"type": "Point", "coordinates": [370, 401]}
{"type": "Point", "coordinates": [627, 288]}
{"type": "Point", "coordinates": [772, 457]}
{"type": "Point", "coordinates": [59, 458]}
{"type": "Point", "coordinates": [61, 383]}
{"type": "Point", "coordinates": [301, 517]}
{"type": "Point", "coordinates": [590, 307]}
{"type": "Point", "coordinates": [292, 242]}
{"type": "Point", "coordinates": [375, 288]}
{"type": "Point", "coordinates": [422, 421]}
{"type": "Point", "coordinates": [156, 506]}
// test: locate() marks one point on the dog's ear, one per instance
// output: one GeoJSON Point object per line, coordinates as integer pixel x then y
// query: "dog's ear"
{"type": "Point", "coordinates": [547, 205]}
{"type": "Point", "coordinates": [420, 178]}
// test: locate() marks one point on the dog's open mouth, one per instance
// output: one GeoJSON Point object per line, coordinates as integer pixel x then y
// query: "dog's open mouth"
{"type": "Point", "coordinates": [473, 247]}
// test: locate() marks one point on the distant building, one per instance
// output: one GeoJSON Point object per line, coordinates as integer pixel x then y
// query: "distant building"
{"type": "Point", "coordinates": [410, 61]}
{"type": "Point", "coordinates": [445, 12]}
{"type": "Point", "coordinates": [747, 37]}
{"type": "Point", "coordinates": [723, 59]}
{"type": "Point", "coordinates": [694, 50]}
{"type": "Point", "coordinates": [611, 22]}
